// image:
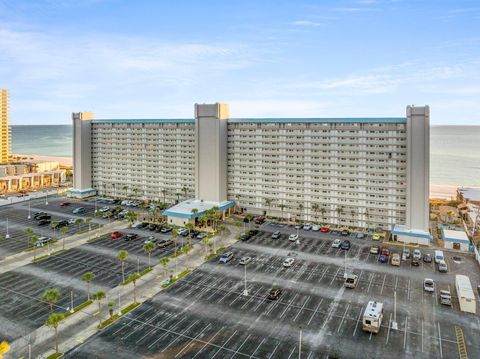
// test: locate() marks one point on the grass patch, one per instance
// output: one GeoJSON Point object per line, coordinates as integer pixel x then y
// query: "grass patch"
{"type": "Point", "coordinates": [142, 273]}
{"type": "Point", "coordinates": [184, 249]}
{"type": "Point", "coordinates": [180, 276]}
{"type": "Point", "coordinates": [77, 308]}
{"type": "Point", "coordinates": [106, 235]}
{"type": "Point", "coordinates": [117, 316]}
{"type": "Point", "coordinates": [211, 255]}
{"type": "Point", "coordinates": [55, 356]}
{"type": "Point", "coordinates": [38, 259]}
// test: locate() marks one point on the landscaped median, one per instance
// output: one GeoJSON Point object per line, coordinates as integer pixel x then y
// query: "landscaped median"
{"type": "Point", "coordinates": [173, 279]}
{"type": "Point", "coordinates": [77, 308]}
{"type": "Point", "coordinates": [142, 273]}
{"type": "Point", "coordinates": [117, 316]}
{"type": "Point", "coordinates": [38, 259]}
{"type": "Point", "coordinates": [55, 356]}
{"type": "Point", "coordinates": [211, 255]}
{"type": "Point", "coordinates": [104, 235]}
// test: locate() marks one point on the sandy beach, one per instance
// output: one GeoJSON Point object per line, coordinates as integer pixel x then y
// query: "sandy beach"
{"type": "Point", "coordinates": [443, 191]}
{"type": "Point", "coordinates": [64, 161]}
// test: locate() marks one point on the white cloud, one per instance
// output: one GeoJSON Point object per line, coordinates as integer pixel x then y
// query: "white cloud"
{"type": "Point", "coordinates": [306, 23]}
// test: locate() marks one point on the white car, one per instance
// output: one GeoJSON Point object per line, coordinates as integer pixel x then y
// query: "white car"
{"type": "Point", "coordinates": [428, 285]}
{"type": "Point", "coordinates": [307, 226]}
{"type": "Point", "coordinates": [104, 209]}
{"type": "Point", "coordinates": [287, 263]}
{"type": "Point", "coordinates": [72, 221]}
{"type": "Point", "coordinates": [315, 228]}
{"type": "Point", "coordinates": [442, 266]}
{"type": "Point", "coordinates": [293, 237]}
{"type": "Point", "coordinates": [245, 260]}
{"type": "Point", "coordinates": [417, 254]}
{"type": "Point", "coordinates": [336, 243]}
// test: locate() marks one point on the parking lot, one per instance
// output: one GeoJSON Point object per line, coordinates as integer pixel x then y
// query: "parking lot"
{"type": "Point", "coordinates": [21, 310]}
{"type": "Point", "coordinates": [18, 221]}
{"type": "Point", "coordinates": [206, 315]}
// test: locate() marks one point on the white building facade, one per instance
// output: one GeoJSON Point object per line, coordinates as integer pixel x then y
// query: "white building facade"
{"type": "Point", "coordinates": [360, 172]}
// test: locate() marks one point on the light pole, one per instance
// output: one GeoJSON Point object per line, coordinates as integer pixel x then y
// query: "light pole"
{"type": "Point", "coordinates": [71, 301]}
{"type": "Point", "coordinates": [245, 291]}
{"type": "Point", "coordinates": [394, 323]}
{"type": "Point", "coordinates": [46, 198]}
{"type": "Point", "coordinates": [138, 265]}
{"type": "Point", "coordinates": [95, 200]}
{"type": "Point", "coordinates": [300, 345]}
{"type": "Point", "coordinates": [345, 263]}
{"type": "Point", "coordinates": [7, 235]}
{"type": "Point", "coordinates": [29, 212]}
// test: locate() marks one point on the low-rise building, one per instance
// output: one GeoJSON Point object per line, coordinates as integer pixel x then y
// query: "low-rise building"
{"type": "Point", "coordinates": [455, 239]}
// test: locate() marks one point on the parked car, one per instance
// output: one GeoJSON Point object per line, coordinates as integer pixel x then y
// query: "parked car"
{"type": "Point", "coordinates": [351, 281]}
{"type": "Point", "coordinates": [152, 227]}
{"type": "Point", "coordinates": [298, 226]}
{"type": "Point", "coordinates": [226, 257]}
{"type": "Point", "coordinates": [193, 233]}
{"type": "Point", "coordinates": [150, 239]}
{"type": "Point", "coordinates": [131, 236]}
{"type": "Point", "coordinates": [406, 254]}
{"type": "Point", "coordinates": [287, 263]}
{"type": "Point", "coordinates": [445, 297]}
{"type": "Point", "coordinates": [324, 229]}
{"type": "Point", "coordinates": [276, 235]}
{"type": "Point", "coordinates": [376, 236]}
{"type": "Point", "coordinates": [385, 251]}
{"type": "Point", "coordinates": [293, 237]}
{"type": "Point", "coordinates": [307, 226]}
{"type": "Point", "coordinates": [184, 232]}
{"type": "Point", "coordinates": [253, 232]}
{"type": "Point", "coordinates": [361, 235]}
{"type": "Point", "coordinates": [116, 235]}
{"type": "Point", "coordinates": [274, 293]}
{"type": "Point", "coordinates": [72, 221]}
{"type": "Point", "coordinates": [374, 250]}
{"type": "Point", "coordinates": [164, 243]}
{"type": "Point", "coordinates": [427, 258]}
{"type": "Point", "coordinates": [415, 262]}
{"type": "Point", "coordinates": [428, 285]}
{"type": "Point", "coordinates": [65, 204]}
{"type": "Point", "coordinates": [41, 241]}
{"type": "Point", "coordinates": [44, 222]}
{"type": "Point", "coordinates": [442, 267]}
{"type": "Point", "coordinates": [259, 220]}
{"type": "Point", "coordinates": [43, 216]}
{"type": "Point", "coordinates": [345, 232]}
{"type": "Point", "coordinates": [395, 259]}
{"type": "Point", "coordinates": [59, 224]}
{"type": "Point", "coordinates": [166, 229]}
{"type": "Point", "coordinates": [315, 228]}
{"type": "Point", "coordinates": [345, 245]}
{"type": "Point", "coordinates": [417, 254]}
{"type": "Point", "coordinates": [382, 258]}
{"type": "Point", "coordinates": [38, 214]}
{"type": "Point", "coordinates": [79, 210]}
{"type": "Point", "coordinates": [201, 235]}
{"type": "Point", "coordinates": [336, 243]}
{"type": "Point", "coordinates": [245, 260]}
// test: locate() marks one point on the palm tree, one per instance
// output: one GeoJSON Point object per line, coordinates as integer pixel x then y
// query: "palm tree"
{"type": "Point", "coordinates": [164, 262]}
{"type": "Point", "coordinates": [32, 239]}
{"type": "Point", "coordinates": [133, 278]}
{"type": "Point", "coordinates": [53, 225]}
{"type": "Point", "coordinates": [63, 230]}
{"type": "Point", "coordinates": [174, 235]}
{"type": "Point", "coordinates": [315, 208]}
{"type": "Point", "coordinates": [149, 247]}
{"type": "Point", "coordinates": [51, 296]}
{"type": "Point", "coordinates": [203, 220]}
{"type": "Point", "coordinates": [132, 216]}
{"type": "Point", "coordinates": [221, 229]}
{"type": "Point", "coordinates": [323, 211]}
{"type": "Point", "coordinates": [339, 211]}
{"type": "Point", "coordinates": [53, 321]}
{"type": "Point", "coordinates": [87, 277]}
{"type": "Point", "coordinates": [122, 257]}
{"type": "Point", "coordinates": [352, 213]}
{"type": "Point", "coordinates": [178, 194]}
{"type": "Point", "coordinates": [190, 227]}
{"type": "Point", "coordinates": [79, 222]}
{"type": "Point", "coordinates": [88, 221]}
{"type": "Point", "coordinates": [282, 208]}
{"type": "Point", "coordinates": [98, 296]}
{"type": "Point", "coordinates": [206, 241]}
{"type": "Point", "coordinates": [185, 191]}
{"type": "Point", "coordinates": [268, 202]}
{"type": "Point", "coordinates": [300, 208]}
{"type": "Point", "coordinates": [125, 189]}
{"type": "Point", "coordinates": [164, 193]}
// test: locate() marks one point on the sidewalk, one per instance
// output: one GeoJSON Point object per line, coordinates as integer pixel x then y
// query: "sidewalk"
{"type": "Point", "coordinates": [78, 327]}
{"type": "Point", "coordinates": [20, 259]}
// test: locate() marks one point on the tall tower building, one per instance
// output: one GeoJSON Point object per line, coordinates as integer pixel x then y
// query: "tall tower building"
{"type": "Point", "coordinates": [4, 128]}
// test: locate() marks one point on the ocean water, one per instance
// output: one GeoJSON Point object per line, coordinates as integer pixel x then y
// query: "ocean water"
{"type": "Point", "coordinates": [454, 150]}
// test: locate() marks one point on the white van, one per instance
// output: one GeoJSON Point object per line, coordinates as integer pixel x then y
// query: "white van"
{"type": "Point", "coordinates": [439, 256]}
{"type": "Point", "coordinates": [372, 317]}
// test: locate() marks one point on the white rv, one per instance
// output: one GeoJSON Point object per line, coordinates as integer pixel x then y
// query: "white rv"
{"type": "Point", "coordinates": [372, 317]}
{"type": "Point", "coordinates": [466, 298]}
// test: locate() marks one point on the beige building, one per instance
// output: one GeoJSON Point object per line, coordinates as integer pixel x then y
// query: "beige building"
{"type": "Point", "coordinates": [4, 127]}
{"type": "Point", "coordinates": [360, 172]}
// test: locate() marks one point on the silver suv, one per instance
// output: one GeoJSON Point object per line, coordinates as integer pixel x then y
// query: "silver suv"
{"type": "Point", "coordinates": [226, 257]}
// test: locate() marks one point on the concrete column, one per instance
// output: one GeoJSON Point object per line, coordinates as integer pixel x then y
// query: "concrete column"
{"type": "Point", "coordinates": [418, 167]}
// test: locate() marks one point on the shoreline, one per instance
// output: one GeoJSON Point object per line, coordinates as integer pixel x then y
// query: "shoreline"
{"type": "Point", "coordinates": [63, 161]}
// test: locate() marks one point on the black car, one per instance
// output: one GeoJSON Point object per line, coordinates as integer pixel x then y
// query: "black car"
{"type": "Point", "coordinates": [274, 294]}
{"type": "Point", "coordinates": [345, 232]}
{"type": "Point", "coordinates": [131, 236]}
{"type": "Point", "coordinates": [427, 258]}
{"type": "Point", "coordinates": [165, 243]}
{"type": "Point", "coordinates": [38, 214]}
{"type": "Point", "coordinates": [43, 216]}
{"type": "Point", "coordinates": [415, 263]}
{"type": "Point", "coordinates": [158, 229]}
{"type": "Point", "coordinates": [345, 244]}
{"type": "Point", "coordinates": [253, 232]}
{"type": "Point", "coordinates": [60, 224]}
{"type": "Point", "coordinates": [44, 222]}
{"type": "Point", "coordinates": [193, 233]}
{"type": "Point", "coordinates": [152, 227]}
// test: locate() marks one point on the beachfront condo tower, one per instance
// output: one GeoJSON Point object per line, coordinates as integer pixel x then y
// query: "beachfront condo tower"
{"type": "Point", "coordinates": [4, 127]}
{"type": "Point", "coordinates": [346, 172]}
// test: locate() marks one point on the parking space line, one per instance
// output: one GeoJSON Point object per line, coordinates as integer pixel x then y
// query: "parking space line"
{"type": "Point", "coordinates": [335, 276]}
{"type": "Point", "coordinates": [440, 341]}
{"type": "Point", "coordinates": [251, 297]}
{"type": "Point", "coordinates": [408, 290]}
{"type": "Point", "coordinates": [274, 350]}
{"type": "Point", "coordinates": [422, 334]}
{"type": "Point", "coordinates": [208, 342]}
{"type": "Point", "coordinates": [315, 311]}
{"type": "Point", "coordinates": [343, 318]}
{"type": "Point", "coordinates": [303, 306]}
{"type": "Point", "coordinates": [396, 282]}
{"type": "Point", "coordinates": [358, 321]}
{"type": "Point", "coordinates": [223, 345]}
{"type": "Point", "coordinates": [383, 284]}
{"type": "Point", "coordinates": [288, 304]}
{"type": "Point", "coordinates": [323, 274]}
{"type": "Point", "coordinates": [371, 280]}
{"type": "Point", "coordinates": [167, 332]}
{"type": "Point", "coordinates": [193, 339]}
{"type": "Point", "coordinates": [389, 326]}
{"type": "Point", "coordinates": [179, 336]}
{"type": "Point", "coordinates": [236, 351]}
{"type": "Point", "coordinates": [253, 354]}
{"type": "Point", "coordinates": [405, 333]}
{"type": "Point", "coordinates": [291, 352]}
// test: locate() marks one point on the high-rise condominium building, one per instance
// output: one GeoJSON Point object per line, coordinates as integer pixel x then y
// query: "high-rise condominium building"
{"type": "Point", "coordinates": [4, 127]}
{"type": "Point", "coordinates": [361, 172]}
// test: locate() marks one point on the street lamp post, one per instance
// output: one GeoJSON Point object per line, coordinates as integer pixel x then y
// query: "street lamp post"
{"type": "Point", "coordinates": [46, 198]}
{"type": "Point", "coordinates": [300, 345]}
{"type": "Point", "coordinates": [7, 235]}
{"type": "Point", "coordinates": [245, 291]}
{"type": "Point", "coordinates": [394, 323]}
{"type": "Point", "coordinates": [71, 301]}
{"type": "Point", "coordinates": [29, 211]}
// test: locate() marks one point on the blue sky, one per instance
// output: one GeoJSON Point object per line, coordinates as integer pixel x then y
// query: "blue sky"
{"type": "Point", "coordinates": [153, 59]}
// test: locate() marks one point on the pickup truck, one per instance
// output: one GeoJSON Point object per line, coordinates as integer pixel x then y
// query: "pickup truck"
{"type": "Point", "coordinates": [445, 297]}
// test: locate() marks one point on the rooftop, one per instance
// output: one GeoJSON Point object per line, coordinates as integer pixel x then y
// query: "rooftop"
{"type": "Point", "coordinates": [401, 229]}
{"type": "Point", "coordinates": [184, 209]}
{"type": "Point", "coordinates": [450, 235]}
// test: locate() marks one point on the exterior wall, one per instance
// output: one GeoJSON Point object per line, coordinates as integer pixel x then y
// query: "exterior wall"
{"type": "Point", "coordinates": [343, 172]}
{"type": "Point", "coordinates": [418, 167]}
{"type": "Point", "coordinates": [463, 246]}
{"type": "Point", "coordinates": [151, 159]}
{"type": "Point", "coordinates": [5, 136]}
{"type": "Point", "coordinates": [177, 221]}
{"type": "Point", "coordinates": [82, 153]}
{"type": "Point", "coordinates": [211, 152]}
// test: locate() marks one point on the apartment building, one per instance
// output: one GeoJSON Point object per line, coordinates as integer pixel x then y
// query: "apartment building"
{"type": "Point", "coordinates": [361, 172]}
{"type": "Point", "coordinates": [4, 127]}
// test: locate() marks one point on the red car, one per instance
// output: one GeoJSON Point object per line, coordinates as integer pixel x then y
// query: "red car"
{"type": "Point", "coordinates": [324, 230]}
{"type": "Point", "coordinates": [385, 251]}
{"type": "Point", "coordinates": [64, 204]}
{"type": "Point", "coordinates": [116, 235]}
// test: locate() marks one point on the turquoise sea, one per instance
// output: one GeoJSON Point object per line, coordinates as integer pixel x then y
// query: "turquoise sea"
{"type": "Point", "coordinates": [455, 150]}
